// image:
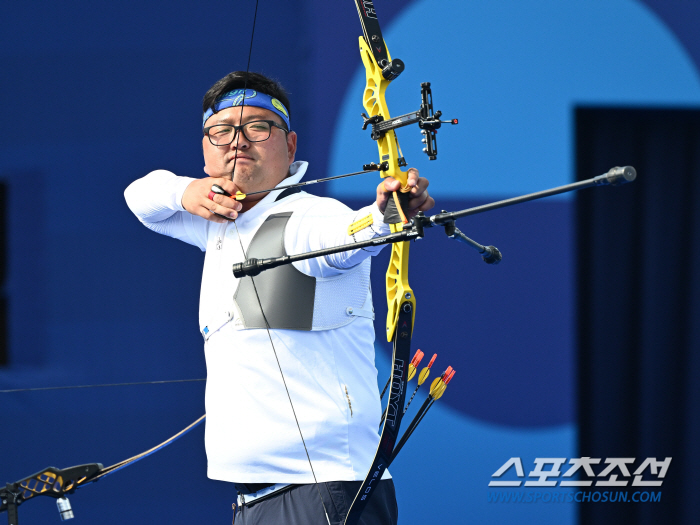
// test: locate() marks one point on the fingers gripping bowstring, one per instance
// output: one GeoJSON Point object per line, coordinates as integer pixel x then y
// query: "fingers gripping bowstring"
{"type": "Point", "coordinates": [257, 296]}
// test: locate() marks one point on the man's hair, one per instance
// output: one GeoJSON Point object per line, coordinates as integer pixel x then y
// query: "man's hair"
{"type": "Point", "coordinates": [237, 80]}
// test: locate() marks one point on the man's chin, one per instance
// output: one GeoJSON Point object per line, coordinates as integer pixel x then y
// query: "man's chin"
{"type": "Point", "coordinates": [241, 173]}
{"type": "Point", "coordinates": [243, 179]}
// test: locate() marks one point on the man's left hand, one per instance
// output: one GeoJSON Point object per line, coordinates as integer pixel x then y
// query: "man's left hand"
{"type": "Point", "coordinates": [419, 198]}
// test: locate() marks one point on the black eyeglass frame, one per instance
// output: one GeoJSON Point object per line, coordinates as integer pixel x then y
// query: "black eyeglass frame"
{"type": "Point", "coordinates": [239, 129]}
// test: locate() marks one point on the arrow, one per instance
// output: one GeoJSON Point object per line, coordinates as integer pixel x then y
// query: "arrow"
{"type": "Point", "coordinates": [417, 358]}
{"type": "Point", "coordinates": [367, 168]}
{"type": "Point", "coordinates": [412, 367]}
{"type": "Point", "coordinates": [437, 389]}
{"type": "Point", "coordinates": [421, 379]}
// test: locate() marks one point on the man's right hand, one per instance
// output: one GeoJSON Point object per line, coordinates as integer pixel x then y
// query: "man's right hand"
{"type": "Point", "coordinates": [197, 202]}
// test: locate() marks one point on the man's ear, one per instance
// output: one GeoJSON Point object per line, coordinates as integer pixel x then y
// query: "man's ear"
{"type": "Point", "coordinates": [291, 146]}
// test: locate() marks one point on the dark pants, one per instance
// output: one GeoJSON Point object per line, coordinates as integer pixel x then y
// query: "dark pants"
{"type": "Point", "coordinates": [301, 505]}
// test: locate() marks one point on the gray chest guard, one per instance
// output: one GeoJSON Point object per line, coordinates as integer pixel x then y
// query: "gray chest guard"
{"type": "Point", "coordinates": [286, 294]}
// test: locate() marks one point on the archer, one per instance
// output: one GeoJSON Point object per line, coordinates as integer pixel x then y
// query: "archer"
{"type": "Point", "coordinates": [315, 314]}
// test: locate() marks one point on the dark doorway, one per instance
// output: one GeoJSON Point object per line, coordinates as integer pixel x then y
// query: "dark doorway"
{"type": "Point", "coordinates": [639, 305]}
{"type": "Point", "coordinates": [4, 313]}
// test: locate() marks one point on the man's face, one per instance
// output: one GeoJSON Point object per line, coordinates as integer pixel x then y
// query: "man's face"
{"type": "Point", "coordinates": [258, 165]}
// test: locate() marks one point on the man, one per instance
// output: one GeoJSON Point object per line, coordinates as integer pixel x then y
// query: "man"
{"type": "Point", "coordinates": [292, 401]}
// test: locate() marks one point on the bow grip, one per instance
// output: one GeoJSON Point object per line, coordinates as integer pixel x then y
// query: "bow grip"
{"type": "Point", "coordinates": [395, 211]}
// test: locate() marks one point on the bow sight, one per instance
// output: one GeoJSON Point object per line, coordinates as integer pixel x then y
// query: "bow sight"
{"type": "Point", "coordinates": [428, 121]}
{"type": "Point", "coordinates": [390, 69]}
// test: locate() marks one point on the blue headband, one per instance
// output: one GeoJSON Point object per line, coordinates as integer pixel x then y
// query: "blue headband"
{"type": "Point", "coordinates": [252, 98]}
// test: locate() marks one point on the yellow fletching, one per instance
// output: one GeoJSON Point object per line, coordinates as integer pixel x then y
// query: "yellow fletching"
{"type": "Point", "coordinates": [423, 375]}
{"type": "Point", "coordinates": [239, 196]}
{"type": "Point", "coordinates": [434, 385]}
{"type": "Point", "coordinates": [411, 371]}
{"type": "Point", "coordinates": [439, 390]}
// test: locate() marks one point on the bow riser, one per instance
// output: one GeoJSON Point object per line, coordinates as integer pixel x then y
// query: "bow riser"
{"type": "Point", "coordinates": [398, 290]}
{"type": "Point", "coordinates": [374, 102]}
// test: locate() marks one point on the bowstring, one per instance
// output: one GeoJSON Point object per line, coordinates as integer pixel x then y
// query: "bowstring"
{"type": "Point", "coordinates": [72, 387]}
{"type": "Point", "coordinates": [255, 289]}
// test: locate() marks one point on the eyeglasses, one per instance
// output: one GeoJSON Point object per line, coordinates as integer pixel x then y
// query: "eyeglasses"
{"type": "Point", "coordinates": [254, 131]}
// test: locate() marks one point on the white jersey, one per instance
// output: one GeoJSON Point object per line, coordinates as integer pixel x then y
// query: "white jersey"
{"type": "Point", "coordinates": [251, 433]}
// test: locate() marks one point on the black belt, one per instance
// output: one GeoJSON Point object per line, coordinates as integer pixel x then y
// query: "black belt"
{"type": "Point", "coordinates": [251, 488]}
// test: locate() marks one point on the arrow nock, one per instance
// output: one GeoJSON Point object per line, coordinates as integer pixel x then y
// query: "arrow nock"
{"type": "Point", "coordinates": [426, 371]}
{"type": "Point", "coordinates": [437, 388]}
{"type": "Point", "coordinates": [417, 358]}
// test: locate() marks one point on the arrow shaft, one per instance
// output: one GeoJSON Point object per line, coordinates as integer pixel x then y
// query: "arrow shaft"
{"type": "Point", "coordinates": [412, 396]}
{"type": "Point", "coordinates": [419, 417]}
{"type": "Point", "coordinates": [309, 182]}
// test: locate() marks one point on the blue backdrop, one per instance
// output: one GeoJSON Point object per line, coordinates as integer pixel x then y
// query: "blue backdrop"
{"type": "Point", "coordinates": [96, 298]}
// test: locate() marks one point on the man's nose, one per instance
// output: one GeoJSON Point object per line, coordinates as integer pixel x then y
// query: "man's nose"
{"type": "Point", "coordinates": [239, 140]}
